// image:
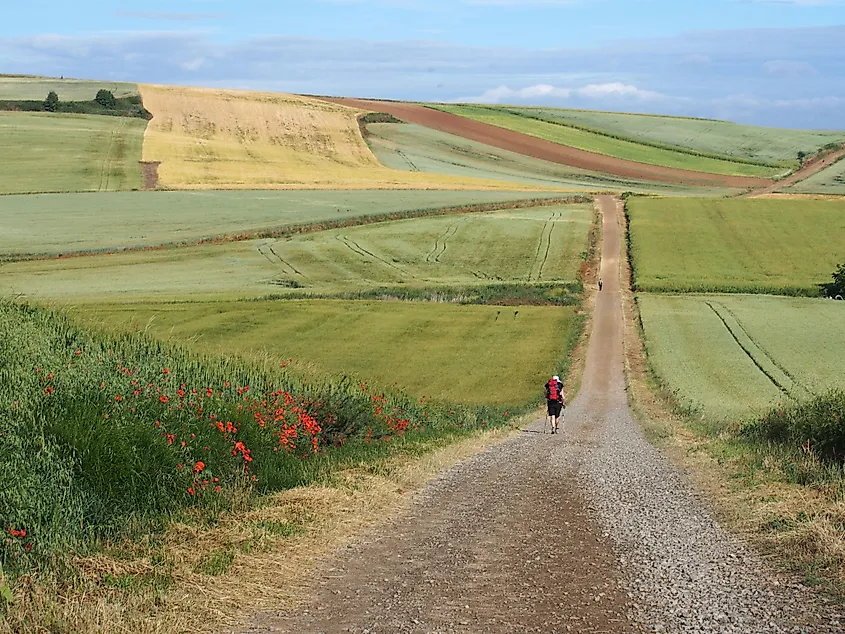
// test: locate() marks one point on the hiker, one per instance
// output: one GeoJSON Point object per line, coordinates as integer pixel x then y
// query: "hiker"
{"type": "Point", "coordinates": [600, 285]}
{"type": "Point", "coordinates": [555, 402]}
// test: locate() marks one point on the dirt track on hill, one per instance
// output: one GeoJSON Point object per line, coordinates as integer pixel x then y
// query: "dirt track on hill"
{"type": "Point", "coordinates": [588, 531]}
{"type": "Point", "coordinates": [546, 150]}
{"type": "Point", "coordinates": [809, 168]}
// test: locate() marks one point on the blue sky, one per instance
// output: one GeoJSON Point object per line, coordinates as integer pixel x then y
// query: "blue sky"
{"type": "Point", "coordinates": [775, 62]}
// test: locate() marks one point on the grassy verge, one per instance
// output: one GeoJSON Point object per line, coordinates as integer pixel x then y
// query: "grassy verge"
{"type": "Point", "coordinates": [155, 490]}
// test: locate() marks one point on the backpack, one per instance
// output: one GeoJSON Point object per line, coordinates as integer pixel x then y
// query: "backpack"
{"type": "Point", "coordinates": [553, 390]}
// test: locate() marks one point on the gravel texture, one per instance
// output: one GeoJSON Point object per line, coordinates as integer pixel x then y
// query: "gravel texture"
{"type": "Point", "coordinates": [591, 530]}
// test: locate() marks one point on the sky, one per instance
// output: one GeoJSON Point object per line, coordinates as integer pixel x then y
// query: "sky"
{"type": "Point", "coordinates": [765, 62]}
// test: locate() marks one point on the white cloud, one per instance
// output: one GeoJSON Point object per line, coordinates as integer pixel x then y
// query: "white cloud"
{"type": "Point", "coordinates": [789, 68]}
{"type": "Point", "coordinates": [599, 92]}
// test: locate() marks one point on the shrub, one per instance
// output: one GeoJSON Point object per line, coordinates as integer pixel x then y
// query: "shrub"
{"type": "Point", "coordinates": [816, 426]}
{"type": "Point", "coordinates": [837, 283]}
{"type": "Point", "coordinates": [51, 103]}
{"type": "Point", "coordinates": [106, 99]}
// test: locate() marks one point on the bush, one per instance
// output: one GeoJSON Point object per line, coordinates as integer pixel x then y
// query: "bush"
{"type": "Point", "coordinates": [51, 103]}
{"type": "Point", "coordinates": [106, 99]}
{"type": "Point", "coordinates": [816, 426]}
{"type": "Point", "coordinates": [837, 284]}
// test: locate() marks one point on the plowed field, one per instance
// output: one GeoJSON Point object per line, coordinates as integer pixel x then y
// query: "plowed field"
{"type": "Point", "coordinates": [546, 150]}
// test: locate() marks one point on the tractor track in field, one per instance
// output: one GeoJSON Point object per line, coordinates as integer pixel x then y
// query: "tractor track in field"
{"type": "Point", "coordinates": [105, 169]}
{"type": "Point", "coordinates": [587, 531]}
{"type": "Point", "coordinates": [440, 244]}
{"type": "Point", "coordinates": [285, 262]}
{"type": "Point", "coordinates": [358, 249]}
{"type": "Point", "coordinates": [279, 260]}
{"type": "Point", "coordinates": [505, 139]}
{"type": "Point", "coordinates": [545, 239]}
{"type": "Point", "coordinates": [787, 383]}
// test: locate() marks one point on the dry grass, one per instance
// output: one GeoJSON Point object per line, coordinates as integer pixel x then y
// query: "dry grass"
{"type": "Point", "coordinates": [227, 139]}
{"type": "Point", "coordinates": [798, 527]}
{"type": "Point", "coordinates": [269, 555]}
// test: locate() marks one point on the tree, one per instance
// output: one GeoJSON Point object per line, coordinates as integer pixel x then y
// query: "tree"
{"type": "Point", "coordinates": [51, 103]}
{"type": "Point", "coordinates": [106, 99]}
{"type": "Point", "coordinates": [837, 285]}
{"type": "Point", "coordinates": [801, 156]}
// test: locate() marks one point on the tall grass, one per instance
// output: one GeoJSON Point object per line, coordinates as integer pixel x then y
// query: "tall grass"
{"type": "Point", "coordinates": [102, 437]}
{"type": "Point", "coordinates": [815, 426]}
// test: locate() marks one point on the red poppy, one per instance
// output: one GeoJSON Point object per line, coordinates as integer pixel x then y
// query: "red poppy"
{"type": "Point", "coordinates": [191, 491]}
{"type": "Point", "coordinates": [163, 398]}
{"type": "Point", "coordinates": [199, 466]}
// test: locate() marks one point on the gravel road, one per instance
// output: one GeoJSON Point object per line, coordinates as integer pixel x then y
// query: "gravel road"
{"type": "Point", "coordinates": [588, 531]}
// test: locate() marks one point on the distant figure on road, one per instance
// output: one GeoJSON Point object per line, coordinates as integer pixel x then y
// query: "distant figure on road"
{"type": "Point", "coordinates": [555, 402]}
{"type": "Point", "coordinates": [600, 285]}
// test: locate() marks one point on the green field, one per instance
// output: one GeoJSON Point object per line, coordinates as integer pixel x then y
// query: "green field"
{"type": "Point", "coordinates": [768, 145]}
{"type": "Point", "coordinates": [42, 152]}
{"type": "Point", "coordinates": [829, 181]}
{"type": "Point", "coordinates": [417, 148]}
{"type": "Point", "coordinates": [22, 88]}
{"type": "Point", "coordinates": [462, 354]}
{"type": "Point", "coordinates": [754, 246]}
{"type": "Point", "coordinates": [539, 244]}
{"type": "Point", "coordinates": [738, 356]}
{"type": "Point", "coordinates": [55, 224]}
{"type": "Point", "coordinates": [601, 144]}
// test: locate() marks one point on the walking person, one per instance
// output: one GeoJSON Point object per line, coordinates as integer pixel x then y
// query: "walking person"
{"type": "Point", "coordinates": [555, 402]}
{"type": "Point", "coordinates": [600, 285]}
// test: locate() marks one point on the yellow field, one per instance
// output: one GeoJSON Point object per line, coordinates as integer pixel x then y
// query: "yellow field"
{"type": "Point", "coordinates": [227, 139]}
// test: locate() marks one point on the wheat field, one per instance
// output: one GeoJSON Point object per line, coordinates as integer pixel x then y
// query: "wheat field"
{"type": "Point", "coordinates": [227, 139]}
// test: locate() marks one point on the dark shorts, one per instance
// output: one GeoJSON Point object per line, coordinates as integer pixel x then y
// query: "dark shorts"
{"type": "Point", "coordinates": [555, 407]}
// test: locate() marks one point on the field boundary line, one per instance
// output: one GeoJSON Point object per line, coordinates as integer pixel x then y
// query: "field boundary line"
{"type": "Point", "coordinates": [308, 227]}
{"type": "Point", "coordinates": [769, 375]}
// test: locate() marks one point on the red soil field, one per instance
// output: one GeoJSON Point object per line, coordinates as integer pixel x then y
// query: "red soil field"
{"type": "Point", "coordinates": [546, 150]}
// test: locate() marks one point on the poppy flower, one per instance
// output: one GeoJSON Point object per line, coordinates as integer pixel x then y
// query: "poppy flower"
{"type": "Point", "coordinates": [199, 466]}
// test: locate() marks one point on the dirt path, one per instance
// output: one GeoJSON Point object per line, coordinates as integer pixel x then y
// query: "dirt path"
{"type": "Point", "coordinates": [546, 150]}
{"type": "Point", "coordinates": [505, 542]}
{"type": "Point", "coordinates": [592, 530]}
{"type": "Point", "coordinates": [810, 167]}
